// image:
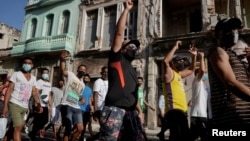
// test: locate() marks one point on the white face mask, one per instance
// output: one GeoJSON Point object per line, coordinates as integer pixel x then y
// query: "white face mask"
{"type": "Point", "coordinates": [236, 37]}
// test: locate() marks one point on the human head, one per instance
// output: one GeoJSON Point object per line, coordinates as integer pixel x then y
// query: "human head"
{"type": "Point", "coordinates": [226, 31]}
{"type": "Point", "coordinates": [81, 70]}
{"type": "Point", "coordinates": [86, 79]}
{"type": "Point", "coordinates": [139, 81]}
{"type": "Point", "coordinates": [61, 83]}
{"type": "Point", "coordinates": [129, 48]}
{"type": "Point", "coordinates": [179, 63]}
{"type": "Point", "coordinates": [104, 73]}
{"type": "Point", "coordinates": [27, 64]}
{"type": "Point", "coordinates": [45, 74]}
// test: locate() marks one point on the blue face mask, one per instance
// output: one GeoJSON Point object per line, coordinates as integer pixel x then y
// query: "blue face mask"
{"type": "Point", "coordinates": [45, 76]}
{"type": "Point", "coordinates": [26, 67]}
{"type": "Point", "coordinates": [205, 77]}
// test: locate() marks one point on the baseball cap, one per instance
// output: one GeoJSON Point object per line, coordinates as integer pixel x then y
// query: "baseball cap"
{"type": "Point", "coordinates": [178, 57]}
{"type": "Point", "coordinates": [227, 25]}
{"type": "Point", "coordinates": [135, 42]}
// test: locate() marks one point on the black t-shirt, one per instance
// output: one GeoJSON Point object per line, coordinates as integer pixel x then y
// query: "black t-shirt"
{"type": "Point", "coordinates": [122, 91]}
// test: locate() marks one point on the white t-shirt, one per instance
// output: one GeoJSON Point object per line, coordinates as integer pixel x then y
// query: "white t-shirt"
{"type": "Point", "coordinates": [161, 103]}
{"type": "Point", "coordinates": [22, 89]}
{"type": "Point", "coordinates": [56, 96]}
{"type": "Point", "coordinates": [73, 91]}
{"type": "Point", "coordinates": [44, 88]}
{"type": "Point", "coordinates": [101, 86]}
{"type": "Point", "coordinates": [199, 99]}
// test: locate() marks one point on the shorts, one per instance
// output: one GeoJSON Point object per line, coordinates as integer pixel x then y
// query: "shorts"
{"type": "Point", "coordinates": [17, 114]}
{"type": "Point", "coordinates": [118, 124]}
{"type": "Point", "coordinates": [55, 115]}
{"type": "Point", "coordinates": [73, 115]}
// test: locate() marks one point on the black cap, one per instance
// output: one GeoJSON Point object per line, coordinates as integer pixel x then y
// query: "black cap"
{"type": "Point", "coordinates": [177, 58]}
{"type": "Point", "coordinates": [227, 25]}
{"type": "Point", "coordinates": [126, 42]}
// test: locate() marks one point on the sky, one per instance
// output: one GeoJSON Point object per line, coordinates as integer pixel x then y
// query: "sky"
{"type": "Point", "coordinates": [12, 12]}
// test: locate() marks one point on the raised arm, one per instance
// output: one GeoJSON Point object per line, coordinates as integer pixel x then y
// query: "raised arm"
{"type": "Point", "coordinates": [63, 64]}
{"type": "Point", "coordinates": [191, 69]}
{"type": "Point", "coordinates": [168, 72]}
{"type": "Point", "coordinates": [120, 27]}
{"type": "Point", "coordinates": [202, 68]}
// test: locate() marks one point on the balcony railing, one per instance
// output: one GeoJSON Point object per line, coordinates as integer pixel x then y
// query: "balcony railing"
{"type": "Point", "coordinates": [44, 44]}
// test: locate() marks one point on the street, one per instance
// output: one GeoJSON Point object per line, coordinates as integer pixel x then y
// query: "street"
{"type": "Point", "coordinates": [151, 134]}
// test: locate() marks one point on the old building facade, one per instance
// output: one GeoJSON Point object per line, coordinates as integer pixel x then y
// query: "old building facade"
{"type": "Point", "coordinates": [86, 29]}
{"type": "Point", "coordinates": [8, 36]}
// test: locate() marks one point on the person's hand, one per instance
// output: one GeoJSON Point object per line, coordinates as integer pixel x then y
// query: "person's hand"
{"type": "Point", "coordinates": [95, 116]}
{"type": "Point", "coordinates": [178, 44]}
{"type": "Point", "coordinates": [64, 55]}
{"type": "Point", "coordinates": [190, 103]}
{"type": "Point", "coordinates": [193, 49]}
{"type": "Point", "coordinates": [129, 4]}
{"type": "Point", "coordinates": [38, 108]}
{"type": "Point", "coordinates": [201, 54]}
{"type": "Point", "coordinates": [5, 111]}
{"type": "Point", "coordinates": [152, 108]}
{"type": "Point", "coordinates": [141, 116]}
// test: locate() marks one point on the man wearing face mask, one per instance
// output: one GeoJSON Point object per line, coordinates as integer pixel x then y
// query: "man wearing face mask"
{"type": "Point", "coordinates": [121, 105]}
{"type": "Point", "coordinates": [22, 86]}
{"type": "Point", "coordinates": [40, 119]}
{"type": "Point", "coordinates": [228, 77]}
{"type": "Point", "coordinates": [74, 86]}
{"type": "Point", "coordinates": [174, 70]}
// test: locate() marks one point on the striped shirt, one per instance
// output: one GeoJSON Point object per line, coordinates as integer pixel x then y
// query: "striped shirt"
{"type": "Point", "coordinates": [227, 108]}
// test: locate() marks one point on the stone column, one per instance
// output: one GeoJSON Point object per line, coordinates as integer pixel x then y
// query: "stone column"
{"type": "Point", "coordinates": [100, 26]}
{"type": "Point", "coordinates": [152, 94]}
{"type": "Point", "coordinates": [81, 37]}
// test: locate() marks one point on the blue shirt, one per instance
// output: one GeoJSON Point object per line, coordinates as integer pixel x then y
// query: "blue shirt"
{"type": "Point", "coordinates": [86, 94]}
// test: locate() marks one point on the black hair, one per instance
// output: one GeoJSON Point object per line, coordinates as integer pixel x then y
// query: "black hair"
{"type": "Point", "coordinates": [82, 65]}
{"type": "Point", "coordinates": [28, 58]}
{"type": "Point", "coordinates": [87, 75]}
{"type": "Point", "coordinates": [140, 78]}
{"type": "Point", "coordinates": [45, 69]}
{"type": "Point", "coordinates": [104, 67]}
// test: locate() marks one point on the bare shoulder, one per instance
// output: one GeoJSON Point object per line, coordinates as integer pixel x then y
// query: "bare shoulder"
{"type": "Point", "coordinates": [217, 54]}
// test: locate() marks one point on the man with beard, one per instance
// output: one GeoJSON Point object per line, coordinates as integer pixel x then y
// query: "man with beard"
{"type": "Point", "coordinates": [121, 109]}
{"type": "Point", "coordinates": [72, 95]}
{"type": "Point", "coordinates": [229, 82]}
{"type": "Point", "coordinates": [175, 69]}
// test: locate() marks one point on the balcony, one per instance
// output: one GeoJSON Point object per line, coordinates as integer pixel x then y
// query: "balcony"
{"type": "Point", "coordinates": [44, 44]}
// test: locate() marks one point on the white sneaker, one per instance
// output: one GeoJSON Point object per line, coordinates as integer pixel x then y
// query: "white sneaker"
{"type": "Point", "coordinates": [26, 129]}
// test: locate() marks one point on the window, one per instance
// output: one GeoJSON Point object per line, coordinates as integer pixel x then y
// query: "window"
{"type": "Point", "coordinates": [1, 35]}
{"type": "Point", "coordinates": [49, 24]}
{"type": "Point", "coordinates": [65, 22]}
{"type": "Point", "coordinates": [91, 26]}
{"type": "Point", "coordinates": [130, 31]}
{"type": "Point", "coordinates": [109, 26]}
{"type": "Point", "coordinates": [33, 28]}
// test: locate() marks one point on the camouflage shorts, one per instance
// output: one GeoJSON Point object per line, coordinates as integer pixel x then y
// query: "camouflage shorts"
{"type": "Point", "coordinates": [118, 124]}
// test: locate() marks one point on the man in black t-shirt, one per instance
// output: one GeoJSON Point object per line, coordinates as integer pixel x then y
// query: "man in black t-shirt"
{"type": "Point", "coordinates": [121, 116]}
